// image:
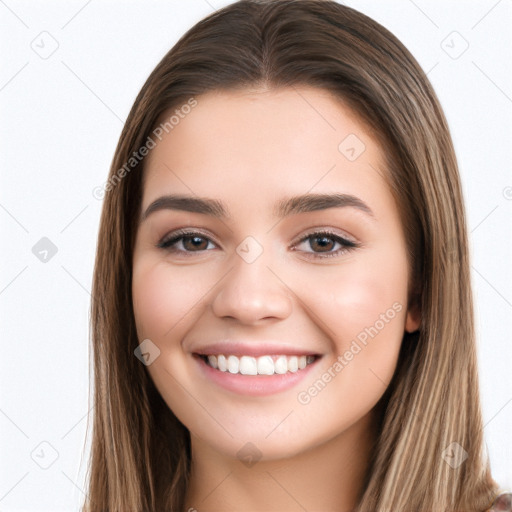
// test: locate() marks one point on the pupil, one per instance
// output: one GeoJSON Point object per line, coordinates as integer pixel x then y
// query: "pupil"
{"type": "Point", "coordinates": [324, 241]}
{"type": "Point", "coordinates": [195, 241]}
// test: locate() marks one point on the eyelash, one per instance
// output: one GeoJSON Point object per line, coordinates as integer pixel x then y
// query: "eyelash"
{"type": "Point", "coordinates": [168, 242]}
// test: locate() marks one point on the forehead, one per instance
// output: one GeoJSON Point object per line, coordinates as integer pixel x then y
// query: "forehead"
{"type": "Point", "coordinates": [265, 144]}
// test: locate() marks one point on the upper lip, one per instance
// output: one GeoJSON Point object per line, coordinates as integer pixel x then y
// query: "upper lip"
{"type": "Point", "coordinates": [255, 349]}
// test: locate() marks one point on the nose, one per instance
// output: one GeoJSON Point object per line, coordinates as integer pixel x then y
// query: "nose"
{"type": "Point", "coordinates": [252, 292]}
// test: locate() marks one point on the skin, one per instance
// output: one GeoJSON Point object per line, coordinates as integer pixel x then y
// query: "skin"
{"type": "Point", "coordinates": [250, 148]}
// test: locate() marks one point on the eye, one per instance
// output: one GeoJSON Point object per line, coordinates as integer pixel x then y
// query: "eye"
{"type": "Point", "coordinates": [185, 242]}
{"type": "Point", "coordinates": [323, 243]}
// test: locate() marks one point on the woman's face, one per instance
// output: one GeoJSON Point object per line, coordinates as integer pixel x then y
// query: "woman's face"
{"type": "Point", "coordinates": [293, 255]}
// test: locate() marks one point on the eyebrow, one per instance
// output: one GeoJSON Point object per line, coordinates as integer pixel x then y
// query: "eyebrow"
{"type": "Point", "coordinates": [283, 208]}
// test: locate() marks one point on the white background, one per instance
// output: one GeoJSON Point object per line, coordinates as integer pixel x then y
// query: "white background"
{"type": "Point", "coordinates": [61, 117]}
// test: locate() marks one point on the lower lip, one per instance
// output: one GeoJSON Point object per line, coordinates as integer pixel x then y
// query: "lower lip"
{"type": "Point", "coordinates": [254, 385]}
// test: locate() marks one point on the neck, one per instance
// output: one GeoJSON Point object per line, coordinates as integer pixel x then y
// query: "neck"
{"type": "Point", "coordinates": [328, 477]}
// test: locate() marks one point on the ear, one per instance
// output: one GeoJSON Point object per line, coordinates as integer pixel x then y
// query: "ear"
{"type": "Point", "coordinates": [413, 318]}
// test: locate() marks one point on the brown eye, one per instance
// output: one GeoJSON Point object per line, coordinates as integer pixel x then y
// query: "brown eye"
{"type": "Point", "coordinates": [191, 243]}
{"type": "Point", "coordinates": [326, 244]}
{"type": "Point", "coordinates": [322, 242]}
{"type": "Point", "coordinates": [185, 242]}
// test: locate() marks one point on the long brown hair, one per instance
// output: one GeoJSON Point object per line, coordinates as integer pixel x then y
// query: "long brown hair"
{"type": "Point", "coordinates": [140, 457]}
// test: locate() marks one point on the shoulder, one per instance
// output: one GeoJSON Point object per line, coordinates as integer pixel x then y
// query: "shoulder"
{"type": "Point", "coordinates": [502, 503]}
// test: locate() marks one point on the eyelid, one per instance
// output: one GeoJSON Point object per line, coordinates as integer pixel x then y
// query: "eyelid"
{"type": "Point", "coordinates": [326, 231]}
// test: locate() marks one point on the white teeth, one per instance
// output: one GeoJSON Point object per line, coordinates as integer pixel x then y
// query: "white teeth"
{"type": "Point", "coordinates": [281, 365]}
{"type": "Point", "coordinates": [248, 365]}
{"type": "Point", "coordinates": [233, 364]}
{"type": "Point", "coordinates": [264, 365]}
{"type": "Point", "coordinates": [222, 363]}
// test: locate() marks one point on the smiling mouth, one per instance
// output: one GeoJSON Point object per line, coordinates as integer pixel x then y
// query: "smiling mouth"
{"type": "Point", "coordinates": [263, 365]}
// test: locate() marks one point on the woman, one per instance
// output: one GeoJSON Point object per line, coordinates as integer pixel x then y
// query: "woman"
{"type": "Point", "coordinates": [282, 314]}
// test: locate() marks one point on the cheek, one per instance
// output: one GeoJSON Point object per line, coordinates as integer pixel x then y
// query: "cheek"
{"type": "Point", "coordinates": [363, 302]}
{"type": "Point", "coordinates": [363, 315]}
{"type": "Point", "coordinates": [364, 319]}
{"type": "Point", "coordinates": [163, 300]}
{"type": "Point", "coordinates": [161, 297]}
{"type": "Point", "coordinates": [354, 296]}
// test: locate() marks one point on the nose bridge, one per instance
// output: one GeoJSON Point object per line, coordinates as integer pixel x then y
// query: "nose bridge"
{"type": "Point", "coordinates": [251, 290]}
